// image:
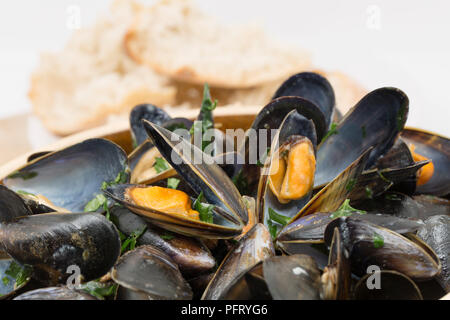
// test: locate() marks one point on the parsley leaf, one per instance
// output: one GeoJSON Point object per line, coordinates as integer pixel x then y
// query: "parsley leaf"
{"type": "Point", "coordinates": [173, 183]}
{"type": "Point", "coordinates": [205, 210]}
{"type": "Point", "coordinates": [96, 203]}
{"type": "Point", "coordinates": [160, 165]}
{"type": "Point", "coordinates": [241, 183]}
{"type": "Point", "coordinates": [130, 242]}
{"type": "Point", "coordinates": [345, 210]}
{"type": "Point", "coordinates": [19, 273]}
{"type": "Point", "coordinates": [378, 240]}
{"type": "Point", "coordinates": [279, 218]}
{"type": "Point", "coordinates": [273, 229]}
{"type": "Point", "coordinates": [98, 289]}
{"type": "Point", "coordinates": [332, 131]}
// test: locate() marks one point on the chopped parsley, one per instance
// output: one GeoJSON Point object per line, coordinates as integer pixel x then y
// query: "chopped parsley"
{"type": "Point", "coordinates": [160, 165]}
{"type": "Point", "coordinates": [273, 228]}
{"type": "Point", "coordinates": [96, 203]}
{"type": "Point", "coordinates": [331, 132]}
{"type": "Point", "coordinates": [205, 210]}
{"type": "Point", "coordinates": [167, 236]}
{"type": "Point", "coordinates": [369, 193]}
{"type": "Point", "coordinates": [19, 273]}
{"type": "Point", "coordinates": [206, 123]}
{"type": "Point", "coordinates": [279, 218]}
{"type": "Point", "coordinates": [130, 242]}
{"type": "Point", "coordinates": [350, 185]}
{"type": "Point", "coordinates": [260, 162]}
{"type": "Point", "coordinates": [392, 197]}
{"type": "Point", "coordinates": [24, 175]}
{"type": "Point", "coordinates": [378, 240]}
{"type": "Point", "coordinates": [22, 192]}
{"type": "Point", "coordinates": [98, 289]}
{"type": "Point", "coordinates": [363, 131]}
{"type": "Point", "coordinates": [345, 210]}
{"type": "Point", "coordinates": [121, 178]}
{"type": "Point", "coordinates": [173, 183]}
{"type": "Point", "coordinates": [241, 183]}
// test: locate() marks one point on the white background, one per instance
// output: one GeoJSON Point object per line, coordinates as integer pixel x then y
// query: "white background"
{"type": "Point", "coordinates": [400, 43]}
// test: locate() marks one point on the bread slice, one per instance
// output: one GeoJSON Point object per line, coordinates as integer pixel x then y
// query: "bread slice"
{"type": "Point", "coordinates": [178, 40]}
{"type": "Point", "coordinates": [93, 77]}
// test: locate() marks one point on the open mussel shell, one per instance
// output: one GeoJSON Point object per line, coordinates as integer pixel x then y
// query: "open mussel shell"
{"type": "Point", "coordinates": [386, 285]}
{"type": "Point", "coordinates": [437, 149]}
{"type": "Point", "coordinates": [148, 112]}
{"type": "Point", "coordinates": [70, 178]}
{"type": "Point", "coordinates": [294, 131]}
{"type": "Point", "coordinates": [369, 244]}
{"type": "Point", "coordinates": [254, 247]}
{"type": "Point", "coordinates": [375, 182]}
{"type": "Point", "coordinates": [311, 228]}
{"type": "Point", "coordinates": [312, 87]}
{"type": "Point", "coordinates": [293, 277]}
{"type": "Point", "coordinates": [53, 242]}
{"type": "Point", "coordinates": [12, 206]}
{"type": "Point", "coordinates": [191, 255]}
{"type": "Point", "coordinates": [149, 270]}
{"type": "Point", "coordinates": [436, 233]}
{"type": "Point", "coordinates": [273, 114]}
{"type": "Point", "coordinates": [330, 198]}
{"type": "Point", "coordinates": [336, 276]}
{"type": "Point", "coordinates": [55, 293]}
{"type": "Point", "coordinates": [199, 170]}
{"type": "Point", "coordinates": [223, 225]}
{"type": "Point", "coordinates": [400, 157]}
{"type": "Point", "coordinates": [375, 122]}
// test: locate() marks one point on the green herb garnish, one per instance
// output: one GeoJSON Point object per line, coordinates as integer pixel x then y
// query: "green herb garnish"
{"type": "Point", "coordinates": [18, 273]}
{"type": "Point", "coordinates": [273, 228]}
{"type": "Point", "coordinates": [279, 218]}
{"type": "Point", "coordinates": [241, 183]}
{"type": "Point", "coordinates": [331, 132]}
{"type": "Point", "coordinates": [364, 132]}
{"type": "Point", "coordinates": [173, 183]}
{"type": "Point", "coordinates": [24, 175]}
{"type": "Point", "coordinates": [130, 242]}
{"type": "Point", "coordinates": [369, 193]}
{"type": "Point", "coordinates": [205, 210]}
{"type": "Point", "coordinates": [350, 185]}
{"type": "Point", "coordinates": [378, 240]}
{"type": "Point", "coordinates": [98, 289]}
{"type": "Point", "coordinates": [392, 197]}
{"type": "Point", "coordinates": [345, 210]}
{"type": "Point", "coordinates": [167, 236]}
{"type": "Point", "coordinates": [121, 178]}
{"type": "Point", "coordinates": [260, 162]}
{"type": "Point", "coordinates": [160, 165]}
{"type": "Point", "coordinates": [6, 281]}
{"type": "Point", "coordinates": [206, 117]}
{"type": "Point", "coordinates": [22, 192]}
{"type": "Point", "coordinates": [96, 203]}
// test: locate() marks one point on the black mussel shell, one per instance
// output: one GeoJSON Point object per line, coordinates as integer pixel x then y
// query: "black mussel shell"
{"type": "Point", "coordinates": [148, 112]}
{"type": "Point", "coordinates": [149, 270]}
{"type": "Point", "coordinates": [312, 87]}
{"type": "Point", "coordinates": [191, 256]}
{"type": "Point", "coordinates": [12, 205]}
{"type": "Point", "coordinates": [436, 233]}
{"type": "Point", "coordinates": [369, 244]}
{"type": "Point", "coordinates": [375, 122]}
{"type": "Point", "coordinates": [55, 293]}
{"type": "Point", "coordinates": [392, 285]}
{"type": "Point", "coordinates": [72, 177]}
{"type": "Point", "coordinates": [53, 242]}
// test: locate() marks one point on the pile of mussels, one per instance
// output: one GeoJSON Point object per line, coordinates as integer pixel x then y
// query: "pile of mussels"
{"type": "Point", "coordinates": [352, 207]}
